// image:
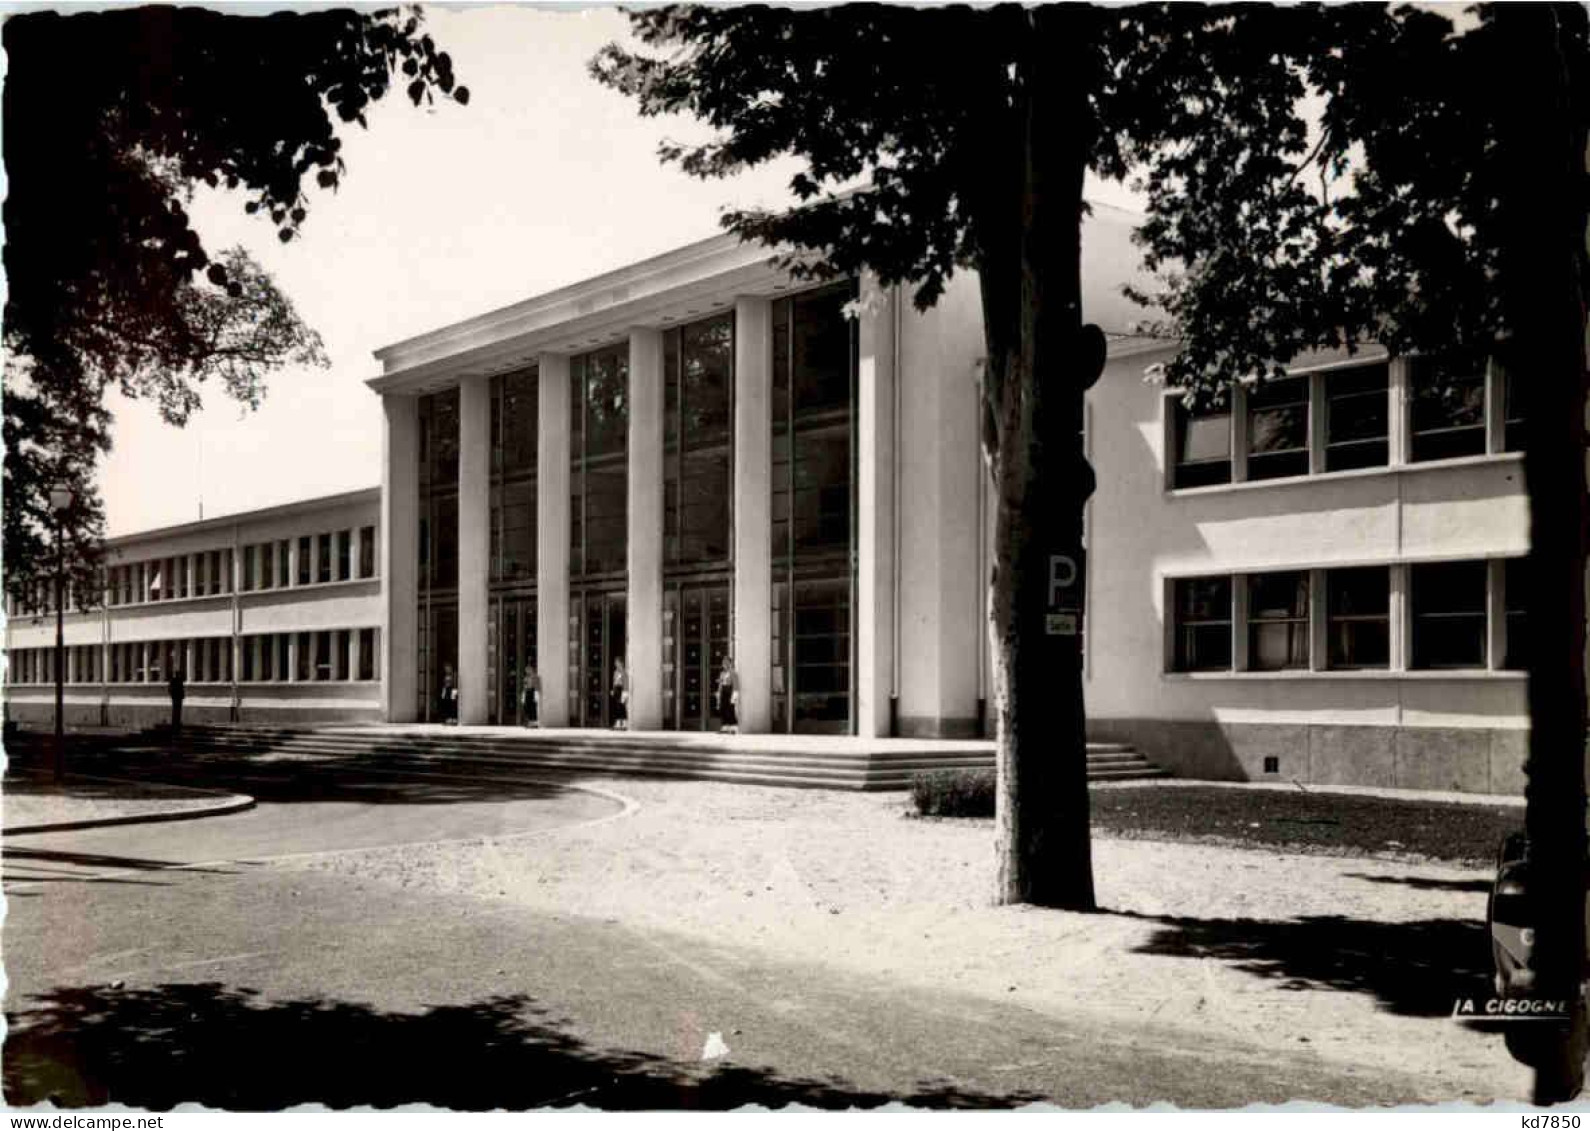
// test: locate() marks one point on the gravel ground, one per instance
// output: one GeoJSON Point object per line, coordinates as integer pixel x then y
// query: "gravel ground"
{"type": "Point", "coordinates": [1354, 960]}
{"type": "Point", "coordinates": [31, 801]}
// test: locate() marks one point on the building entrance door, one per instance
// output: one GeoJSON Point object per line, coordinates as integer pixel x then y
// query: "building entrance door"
{"type": "Point", "coordinates": [511, 657]}
{"type": "Point", "coordinates": [596, 643]}
{"type": "Point", "coordinates": [695, 640]}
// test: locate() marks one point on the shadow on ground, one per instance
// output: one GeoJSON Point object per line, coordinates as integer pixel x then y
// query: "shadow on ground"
{"type": "Point", "coordinates": [1417, 968]}
{"type": "Point", "coordinates": [372, 780]}
{"type": "Point", "coordinates": [227, 1047]}
{"type": "Point", "coordinates": [1425, 883]}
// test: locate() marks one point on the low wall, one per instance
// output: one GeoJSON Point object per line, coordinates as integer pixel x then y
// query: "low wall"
{"type": "Point", "coordinates": [1467, 759]}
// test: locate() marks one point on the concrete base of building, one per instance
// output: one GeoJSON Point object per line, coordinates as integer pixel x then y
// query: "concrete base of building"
{"type": "Point", "coordinates": [1459, 759]}
{"type": "Point", "coordinates": [150, 706]}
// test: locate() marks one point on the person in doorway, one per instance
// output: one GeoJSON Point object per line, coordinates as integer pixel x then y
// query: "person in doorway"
{"type": "Point", "coordinates": [532, 697]}
{"type": "Point", "coordinates": [448, 705]}
{"type": "Point", "coordinates": [619, 699]}
{"type": "Point", "coordinates": [178, 687]}
{"type": "Point", "coordinates": [728, 694]}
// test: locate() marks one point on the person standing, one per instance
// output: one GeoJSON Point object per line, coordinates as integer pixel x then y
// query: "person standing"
{"type": "Point", "coordinates": [728, 694]}
{"type": "Point", "coordinates": [531, 704]}
{"type": "Point", "coordinates": [177, 685]}
{"type": "Point", "coordinates": [619, 700]}
{"type": "Point", "coordinates": [448, 706]}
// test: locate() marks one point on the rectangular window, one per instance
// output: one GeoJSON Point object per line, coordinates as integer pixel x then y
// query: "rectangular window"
{"type": "Point", "coordinates": [250, 553]}
{"type": "Point", "coordinates": [267, 565]}
{"type": "Point", "coordinates": [246, 674]}
{"type": "Point", "coordinates": [339, 655]}
{"type": "Point", "coordinates": [283, 549]}
{"type": "Point", "coordinates": [1202, 446]}
{"type": "Point", "coordinates": [305, 656]}
{"type": "Point", "coordinates": [1278, 621]}
{"type": "Point", "coordinates": [1358, 618]}
{"type": "Point", "coordinates": [344, 555]}
{"type": "Point", "coordinates": [1447, 407]}
{"type": "Point", "coordinates": [1277, 429]}
{"type": "Point", "coordinates": [183, 581]}
{"type": "Point", "coordinates": [1202, 610]}
{"type": "Point", "coordinates": [323, 557]}
{"type": "Point", "coordinates": [1512, 414]}
{"type": "Point", "coordinates": [1515, 589]}
{"type": "Point", "coordinates": [1357, 414]}
{"type": "Point", "coordinates": [367, 551]}
{"type": "Point", "coordinates": [1448, 602]}
{"type": "Point", "coordinates": [322, 656]}
{"type": "Point", "coordinates": [367, 653]}
{"type": "Point", "coordinates": [305, 550]}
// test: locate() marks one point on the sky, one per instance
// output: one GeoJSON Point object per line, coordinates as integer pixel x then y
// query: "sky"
{"type": "Point", "coordinates": [544, 179]}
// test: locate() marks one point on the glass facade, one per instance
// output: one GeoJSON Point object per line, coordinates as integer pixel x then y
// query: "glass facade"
{"type": "Point", "coordinates": [438, 550]}
{"type": "Point", "coordinates": [511, 620]}
{"type": "Point", "coordinates": [598, 531]}
{"type": "Point", "coordinates": [813, 509]}
{"type": "Point", "coordinates": [698, 494]}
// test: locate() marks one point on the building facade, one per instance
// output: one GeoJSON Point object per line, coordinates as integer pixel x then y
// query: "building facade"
{"type": "Point", "coordinates": [698, 462]}
{"type": "Point", "coordinates": [272, 616]}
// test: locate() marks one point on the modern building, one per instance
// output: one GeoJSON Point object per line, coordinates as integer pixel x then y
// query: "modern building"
{"type": "Point", "coordinates": [272, 616]}
{"type": "Point", "coordinates": [699, 457]}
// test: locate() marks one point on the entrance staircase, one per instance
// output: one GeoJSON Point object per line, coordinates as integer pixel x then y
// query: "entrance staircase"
{"type": "Point", "coordinates": [782, 760]}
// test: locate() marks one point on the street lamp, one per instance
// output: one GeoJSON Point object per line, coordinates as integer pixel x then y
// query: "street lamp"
{"type": "Point", "coordinates": [60, 503]}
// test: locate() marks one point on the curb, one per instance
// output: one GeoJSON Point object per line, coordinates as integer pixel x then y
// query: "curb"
{"type": "Point", "coordinates": [226, 804]}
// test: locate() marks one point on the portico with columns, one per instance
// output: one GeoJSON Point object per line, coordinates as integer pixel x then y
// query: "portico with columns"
{"type": "Point", "coordinates": [762, 521]}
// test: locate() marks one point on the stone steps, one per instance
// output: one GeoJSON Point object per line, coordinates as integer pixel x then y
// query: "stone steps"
{"type": "Point", "coordinates": [842, 763]}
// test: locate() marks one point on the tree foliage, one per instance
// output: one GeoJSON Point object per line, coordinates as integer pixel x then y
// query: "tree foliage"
{"type": "Point", "coordinates": [112, 119]}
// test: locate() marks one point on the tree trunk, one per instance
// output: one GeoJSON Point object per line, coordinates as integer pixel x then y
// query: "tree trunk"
{"type": "Point", "coordinates": [1041, 484]}
{"type": "Point", "coordinates": [1543, 276]}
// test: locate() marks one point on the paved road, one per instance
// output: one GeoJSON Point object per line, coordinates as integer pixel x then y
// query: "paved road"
{"type": "Point", "coordinates": [255, 986]}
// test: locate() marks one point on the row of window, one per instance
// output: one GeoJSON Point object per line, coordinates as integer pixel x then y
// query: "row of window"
{"type": "Point", "coordinates": [329, 655]}
{"type": "Point", "coordinates": [1342, 619]}
{"type": "Point", "coordinates": [1342, 420]}
{"type": "Point", "coordinates": [319, 558]}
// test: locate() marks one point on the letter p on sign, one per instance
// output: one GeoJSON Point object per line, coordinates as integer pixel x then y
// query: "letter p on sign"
{"type": "Point", "coordinates": [1062, 575]}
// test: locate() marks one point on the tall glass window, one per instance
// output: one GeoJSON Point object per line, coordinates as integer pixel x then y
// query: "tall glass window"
{"type": "Point", "coordinates": [812, 509]}
{"type": "Point", "coordinates": [438, 549]}
{"type": "Point", "coordinates": [514, 423]}
{"type": "Point", "coordinates": [598, 480]}
{"type": "Point", "coordinates": [698, 365]}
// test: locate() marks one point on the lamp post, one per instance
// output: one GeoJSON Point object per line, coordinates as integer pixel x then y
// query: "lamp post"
{"type": "Point", "coordinates": [60, 503]}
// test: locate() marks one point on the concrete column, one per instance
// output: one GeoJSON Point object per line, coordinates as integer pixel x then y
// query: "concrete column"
{"type": "Point", "coordinates": [1400, 617]}
{"type": "Point", "coordinates": [400, 573]}
{"type": "Point", "coordinates": [753, 475]}
{"type": "Point", "coordinates": [552, 540]}
{"type": "Point", "coordinates": [189, 667]}
{"type": "Point", "coordinates": [1495, 409]}
{"type": "Point", "coordinates": [1318, 622]}
{"type": "Point", "coordinates": [292, 554]}
{"type": "Point", "coordinates": [645, 511]}
{"type": "Point", "coordinates": [1495, 613]}
{"type": "Point", "coordinates": [875, 433]}
{"type": "Point", "coordinates": [941, 587]}
{"type": "Point", "coordinates": [1397, 427]}
{"type": "Point", "coordinates": [351, 672]}
{"type": "Point", "coordinates": [1239, 434]}
{"type": "Point", "coordinates": [292, 657]}
{"type": "Point", "coordinates": [474, 546]}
